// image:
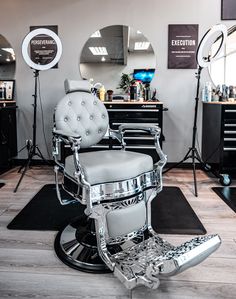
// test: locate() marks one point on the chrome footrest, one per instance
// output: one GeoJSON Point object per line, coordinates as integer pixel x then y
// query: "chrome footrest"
{"type": "Point", "coordinates": [145, 262]}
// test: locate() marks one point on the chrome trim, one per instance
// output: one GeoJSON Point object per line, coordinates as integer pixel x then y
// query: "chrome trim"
{"type": "Point", "coordinates": [116, 190]}
{"type": "Point", "coordinates": [100, 146]}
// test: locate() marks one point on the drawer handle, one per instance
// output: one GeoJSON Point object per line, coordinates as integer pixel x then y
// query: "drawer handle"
{"type": "Point", "coordinates": [137, 147]}
{"type": "Point", "coordinates": [151, 124]}
{"type": "Point", "coordinates": [230, 125]}
{"type": "Point", "coordinates": [232, 149]}
{"type": "Point", "coordinates": [230, 132]}
{"type": "Point", "coordinates": [229, 139]}
{"type": "Point", "coordinates": [140, 138]}
{"type": "Point", "coordinates": [133, 110]}
{"type": "Point", "coordinates": [229, 111]}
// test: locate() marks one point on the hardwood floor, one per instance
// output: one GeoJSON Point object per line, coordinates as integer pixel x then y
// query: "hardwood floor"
{"type": "Point", "coordinates": [29, 267]}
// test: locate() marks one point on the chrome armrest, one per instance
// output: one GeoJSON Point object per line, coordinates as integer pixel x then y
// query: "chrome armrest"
{"type": "Point", "coordinates": [152, 129]}
{"type": "Point", "coordinates": [155, 131]}
{"type": "Point", "coordinates": [116, 134]}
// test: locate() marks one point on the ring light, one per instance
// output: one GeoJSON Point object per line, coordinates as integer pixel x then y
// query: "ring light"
{"type": "Point", "coordinates": [26, 43]}
{"type": "Point", "coordinates": [208, 40]}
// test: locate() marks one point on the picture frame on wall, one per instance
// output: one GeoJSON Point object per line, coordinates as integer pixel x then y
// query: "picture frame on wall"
{"type": "Point", "coordinates": [228, 10]}
{"type": "Point", "coordinates": [7, 90]}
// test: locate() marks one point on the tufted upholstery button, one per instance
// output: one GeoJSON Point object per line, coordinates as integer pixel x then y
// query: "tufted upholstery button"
{"type": "Point", "coordinates": [99, 131]}
{"type": "Point", "coordinates": [69, 103]}
{"type": "Point", "coordinates": [87, 133]}
{"type": "Point", "coordinates": [78, 117]}
{"type": "Point", "coordinates": [94, 102]}
{"type": "Point", "coordinates": [103, 115]}
{"type": "Point", "coordinates": [66, 119]}
{"type": "Point", "coordinates": [91, 117]}
{"type": "Point", "coordinates": [83, 103]}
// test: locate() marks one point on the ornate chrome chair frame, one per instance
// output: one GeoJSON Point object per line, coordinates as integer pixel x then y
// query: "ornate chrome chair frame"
{"type": "Point", "coordinates": [116, 233]}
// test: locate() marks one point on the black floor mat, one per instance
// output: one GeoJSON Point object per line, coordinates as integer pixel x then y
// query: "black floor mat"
{"type": "Point", "coordinates": [228, 195]}
{"type": "Point", "coordinates": [1, 185]}
{"type": "Point", "coordinates": [171, 213]}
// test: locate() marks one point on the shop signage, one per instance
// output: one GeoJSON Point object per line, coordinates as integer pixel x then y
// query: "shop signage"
{"type": "Point", "coordinates": [228, 10]}
{"type": "Point", "coordinates": [182, 46]}
{"type": "Point", "coordinates": [43, 48]}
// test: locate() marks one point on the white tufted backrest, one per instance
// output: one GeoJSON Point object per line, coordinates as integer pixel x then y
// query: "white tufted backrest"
{"type": "Point", "coordinates": [80, 112]}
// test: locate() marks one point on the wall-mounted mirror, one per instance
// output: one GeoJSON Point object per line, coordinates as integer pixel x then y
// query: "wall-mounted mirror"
{"type": "Point", "coordinates": [7, 60]}
{"type": "Point", "coordinates": [223, 69]}
{"type": "Point", "coordinates": [116, 50]}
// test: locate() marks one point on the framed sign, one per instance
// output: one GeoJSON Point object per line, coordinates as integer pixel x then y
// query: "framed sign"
{"type": "Point", "coordinates": [228, 10]}
{"type": "Point", "coordinates": [182, 46]}
{"type": "Point", "coordinates": [43, 48]}
{"type": "Point", "coordinates": [7, 90]}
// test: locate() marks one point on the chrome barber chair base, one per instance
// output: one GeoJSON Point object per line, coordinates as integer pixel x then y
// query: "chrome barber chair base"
{"type": "Point", "coordinates": [76, 246]}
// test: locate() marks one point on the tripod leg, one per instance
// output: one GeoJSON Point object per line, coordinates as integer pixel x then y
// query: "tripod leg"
{"type": "Point", "coordinates": [186, 157]}
{"type": "Point", "coordinates": [194, 173]}
{"type": "Point", "coordinates": [23, 173]}
{"type": "Point", "coordinates": [40, 155]}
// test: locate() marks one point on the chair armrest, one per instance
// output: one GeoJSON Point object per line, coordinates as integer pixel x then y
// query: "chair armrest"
{"type": "Point", "coordinates": [152, 129]}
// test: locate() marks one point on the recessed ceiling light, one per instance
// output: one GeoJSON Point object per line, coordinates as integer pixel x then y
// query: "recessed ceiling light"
{"type": "Point", "coordinates": [96, 34]}
{"type": "Point", "coordinates": [98, 50]}
{"type": "Point", "coordinates": [103, 58]}
{"type": "Point", "coordinates": [141, 45]}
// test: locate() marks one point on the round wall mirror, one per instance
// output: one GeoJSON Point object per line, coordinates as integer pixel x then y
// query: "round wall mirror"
{"type": "Point", "coordinates": [7, 60]}
{"type": "Point", "coordinates": [223, 69]}
{"type": "Point", "coordinates": [116, 56]}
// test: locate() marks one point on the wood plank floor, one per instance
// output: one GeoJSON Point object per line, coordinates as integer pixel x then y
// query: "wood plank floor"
{"type": "Point", "coordinates": [29, 267]}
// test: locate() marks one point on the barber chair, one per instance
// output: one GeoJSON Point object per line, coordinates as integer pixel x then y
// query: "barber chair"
{"type": "Point", "coordinates": [116, 188]}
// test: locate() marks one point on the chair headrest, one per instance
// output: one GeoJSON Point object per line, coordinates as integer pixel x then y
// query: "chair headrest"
{"type": "Point", "coordinates": [77, 85]}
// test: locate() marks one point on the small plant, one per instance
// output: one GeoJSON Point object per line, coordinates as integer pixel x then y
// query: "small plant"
{"type": "Point", "coordinates": [125, 81]}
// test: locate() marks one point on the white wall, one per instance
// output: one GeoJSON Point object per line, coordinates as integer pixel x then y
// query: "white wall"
{"type": "Point", "coordinates": [76, 20]}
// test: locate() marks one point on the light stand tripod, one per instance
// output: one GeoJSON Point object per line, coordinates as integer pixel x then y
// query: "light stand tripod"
{"type": "Point", "coordinates": [217, 32]}
{"type": "Point", "coordinates": [192, 152]}
{"type": "Point", "coordinates": [32, 147]}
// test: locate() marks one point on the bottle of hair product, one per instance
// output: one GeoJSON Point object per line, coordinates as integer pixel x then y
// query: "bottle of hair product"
{"type": "Point", "coordinates": [102, 93]}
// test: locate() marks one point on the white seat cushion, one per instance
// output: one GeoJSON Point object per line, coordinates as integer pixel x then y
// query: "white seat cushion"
{"type": "Point", "coordinates": [110, 166]}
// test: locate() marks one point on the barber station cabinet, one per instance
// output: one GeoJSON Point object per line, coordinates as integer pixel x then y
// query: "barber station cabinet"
{"type": "Point", "coordinates": [131, 113]}
{"type": "Point", "coordinates": [8, 136]}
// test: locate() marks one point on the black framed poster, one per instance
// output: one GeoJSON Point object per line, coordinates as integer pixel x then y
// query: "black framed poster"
{"type": "Point", "coordinates": [43, 49]}
{"type": "Point", "coordinates": [228, 9]}
{"type": "Point", "coordinates": [182, 46]}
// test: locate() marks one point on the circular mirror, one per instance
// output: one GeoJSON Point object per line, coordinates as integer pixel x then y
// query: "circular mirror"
{"type": "Point", "coordinates": [223, 69]}
{"type": "Point", "coordinates": [7, 59]}
{"type": "Point", "coordinates": [116, 56]}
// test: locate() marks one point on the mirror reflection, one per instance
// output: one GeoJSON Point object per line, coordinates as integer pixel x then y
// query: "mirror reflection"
{"type": "Point", "coordinates": [223, 69]}
{"type": "Point", "coordinates": [7, 60]}
{"type": "Point", "coordinates": [121, 59]}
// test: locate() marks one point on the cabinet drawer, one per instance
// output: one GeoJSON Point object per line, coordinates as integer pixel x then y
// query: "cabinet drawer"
{"type": "Point", "coordinates": [230, 114]}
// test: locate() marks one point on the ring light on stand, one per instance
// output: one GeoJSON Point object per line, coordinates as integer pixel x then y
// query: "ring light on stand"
{"type": "Point", "coordinates": [32, 147]}
{"type": "Point", "coordinates": [26, 43]}
{"type": "Point", "coordinates": [203, 61]}
{"type": "Point", "coordinates": [207, 41]}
